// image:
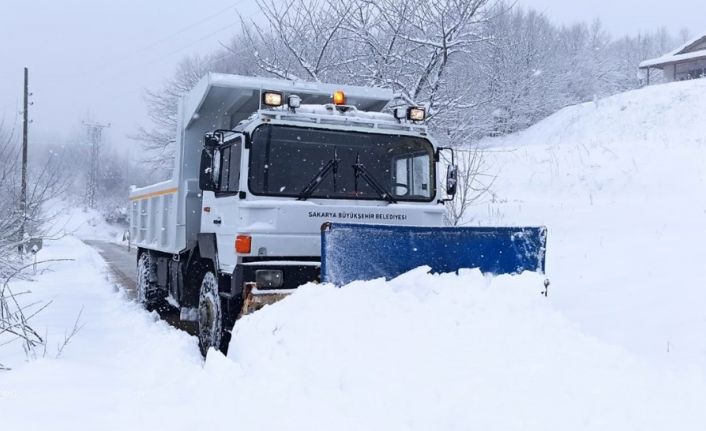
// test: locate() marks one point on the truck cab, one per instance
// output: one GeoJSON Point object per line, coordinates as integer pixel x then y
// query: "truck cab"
{"type": "Point", "coordinates": [262, 164]}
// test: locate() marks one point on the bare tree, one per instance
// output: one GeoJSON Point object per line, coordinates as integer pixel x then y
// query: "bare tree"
{"type": "Point", "coordinates": [158, 140]}
{"type": "Point", "coordinates": [302, 37]}
{"type": "Point", "coordinates": [473, 184]}
{"type": "Point", "coordinates": [16, 319]}
{"type": "Point", "coordinates": [415, 47]}
{"type": "Point", "coordinates": [45, 181]}
{"type": "Point", "coordinates": [10, 216]}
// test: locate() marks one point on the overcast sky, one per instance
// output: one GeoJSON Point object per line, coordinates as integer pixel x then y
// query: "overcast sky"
{"type": "Point", "coordinates": [96, 57]}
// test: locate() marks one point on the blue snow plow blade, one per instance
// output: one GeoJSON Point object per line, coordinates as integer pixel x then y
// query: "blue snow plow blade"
{"type": "Point", "coordinates": [363, 252]}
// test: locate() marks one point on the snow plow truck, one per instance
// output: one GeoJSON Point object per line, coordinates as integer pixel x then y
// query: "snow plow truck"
{"type": "Point", "coordinates": [278, 183]}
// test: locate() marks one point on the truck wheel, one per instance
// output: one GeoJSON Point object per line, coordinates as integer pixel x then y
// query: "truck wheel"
{"type": "Point", "coordinates": [148, 293]}
{"type": "Point", "coordinates": [210, 315]}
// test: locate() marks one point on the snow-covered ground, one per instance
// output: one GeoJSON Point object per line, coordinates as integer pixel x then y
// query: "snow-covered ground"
{"type": "Point", "coordinates": [67, 218]}
{"type": "Point", "coordinates": [620, 185]}
{"type": "Point", "coordinates": [420, 352]}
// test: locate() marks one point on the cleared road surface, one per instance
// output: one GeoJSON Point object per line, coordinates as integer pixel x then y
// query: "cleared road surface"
{"type": "Point", "coordinates": [122, 265]}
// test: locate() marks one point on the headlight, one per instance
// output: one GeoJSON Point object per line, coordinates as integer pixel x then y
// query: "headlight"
{"type": "Point", "coordinates": [272, 98]}
{"type": "Point", "coordinates": [416, 114]}
{"type": "Point", "coordinates": [269, 278]}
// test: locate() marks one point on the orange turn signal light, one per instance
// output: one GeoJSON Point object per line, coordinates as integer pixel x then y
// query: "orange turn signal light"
{"type": "Point", "coordinates": [339, 98]}
{"type": "Point", "coordinates": [243, 244]}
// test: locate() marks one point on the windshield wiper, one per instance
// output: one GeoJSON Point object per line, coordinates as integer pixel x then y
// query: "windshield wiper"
{"type": "Point", "coordinates": [330, 166]}
{"type": "Point", "coordinates": [361, 171]}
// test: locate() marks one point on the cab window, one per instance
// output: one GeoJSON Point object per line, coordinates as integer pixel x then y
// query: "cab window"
{"type": "Point", "coordinates": [229, 167]}
{"type": "Point", "coordinates": [412, 175]}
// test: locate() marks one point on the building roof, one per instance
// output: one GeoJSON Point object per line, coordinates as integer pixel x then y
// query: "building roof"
{"type": "Point", "coordinates": [691, 50]}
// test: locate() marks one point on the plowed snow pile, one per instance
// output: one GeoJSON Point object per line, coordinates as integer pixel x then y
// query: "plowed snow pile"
{"type": "Point", "coordinates": [621, 185]}
{"type": "Point", "coordinates": [447, 352]}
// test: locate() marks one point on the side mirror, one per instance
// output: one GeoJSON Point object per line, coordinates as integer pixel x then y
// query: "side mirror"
{"type": "Point", "coordinates": [446, 155]}
{"type": "Point", "coordinates": [207, 174]}
{"type": "Point", "coordinates": [211, 140]}
{"type": "Point", "coordinates": [451, 180]}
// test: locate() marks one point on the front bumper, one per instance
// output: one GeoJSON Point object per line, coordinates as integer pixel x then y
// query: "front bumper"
{"type": "Point", "coordinates": [295, 273]}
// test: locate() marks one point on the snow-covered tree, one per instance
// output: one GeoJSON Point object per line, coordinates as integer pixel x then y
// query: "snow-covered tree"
{"type": "Point", "coordinates": [481, 67]}
{"type": "Point", "coordinates": [45, 180]}
{"type": "Point", "coordinates": [158, 140]}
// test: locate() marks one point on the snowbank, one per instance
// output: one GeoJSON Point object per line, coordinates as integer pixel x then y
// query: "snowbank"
{"type": "Point", "coordinates": [419, 352]}
{"type": "Point", "coordinates": [447, 352]}
{"type": "Point", "coordinates": [121, 355]}
{"type": "Point", "coordinates": [620, 184]}
{"type": "Point", "coordinates": [81, 222]}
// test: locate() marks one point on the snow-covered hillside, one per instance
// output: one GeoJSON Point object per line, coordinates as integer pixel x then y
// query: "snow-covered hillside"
{"type": "Point", "coordinates": [621, 185]}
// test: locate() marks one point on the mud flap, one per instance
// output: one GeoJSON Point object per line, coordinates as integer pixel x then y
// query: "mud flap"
{"type": "Point", "coordinates": [363, 252]}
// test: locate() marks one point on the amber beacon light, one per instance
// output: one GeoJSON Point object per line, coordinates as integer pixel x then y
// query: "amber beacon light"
{"type": "Point", "coordinates": [339, 98]}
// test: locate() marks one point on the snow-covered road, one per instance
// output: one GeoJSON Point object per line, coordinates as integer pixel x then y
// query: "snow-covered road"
{"type": "Point", "coordinates": [121, 265]}
{"type": "Point", "coordinates": [121, 262]}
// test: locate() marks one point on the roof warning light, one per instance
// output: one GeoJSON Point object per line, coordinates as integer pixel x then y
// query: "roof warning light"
{"type": "Point", "coordinates": [339, 98]}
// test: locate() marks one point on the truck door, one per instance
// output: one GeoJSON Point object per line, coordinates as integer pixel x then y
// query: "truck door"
{"type": "Point", "coordinates": [222, 217]}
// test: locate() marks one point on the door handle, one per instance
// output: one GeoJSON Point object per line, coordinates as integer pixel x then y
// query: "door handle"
{"type": "Point", "coordinates": [217, 221]}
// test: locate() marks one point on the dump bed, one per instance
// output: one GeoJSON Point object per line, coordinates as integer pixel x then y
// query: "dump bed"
{"type": "Point", "coordinates": [167, 216]}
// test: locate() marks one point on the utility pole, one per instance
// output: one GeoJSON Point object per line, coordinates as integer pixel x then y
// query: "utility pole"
{"type": "Point", "coordinates": [23, 189]}
{"type": "Point", "coordinates": [95, 133]}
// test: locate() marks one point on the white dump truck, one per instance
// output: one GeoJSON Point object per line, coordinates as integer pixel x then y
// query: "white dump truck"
{"type": "Point", "coordinates": [261, 166]}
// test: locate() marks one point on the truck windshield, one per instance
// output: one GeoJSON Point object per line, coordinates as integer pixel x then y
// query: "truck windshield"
{"type": "Point", "coordinates": [316, 163]}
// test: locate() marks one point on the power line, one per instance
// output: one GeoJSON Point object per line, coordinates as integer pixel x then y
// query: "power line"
{"type": "Point", "coordinates": [158, 59]}
{"type": "Point", "coordinates": [173, 35]}
{"type": "Point", "coordinates": [189, 45]}
{"type": "Point", "coordinates": [116, 65]}
{"type": "Point", "coordinates": [188, 27]}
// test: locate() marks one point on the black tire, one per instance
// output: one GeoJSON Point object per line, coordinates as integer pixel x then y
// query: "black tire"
{"type": "Point", "coordinates": [211, 316]}
{"type": "Point", "coordinates": [148, 294]}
